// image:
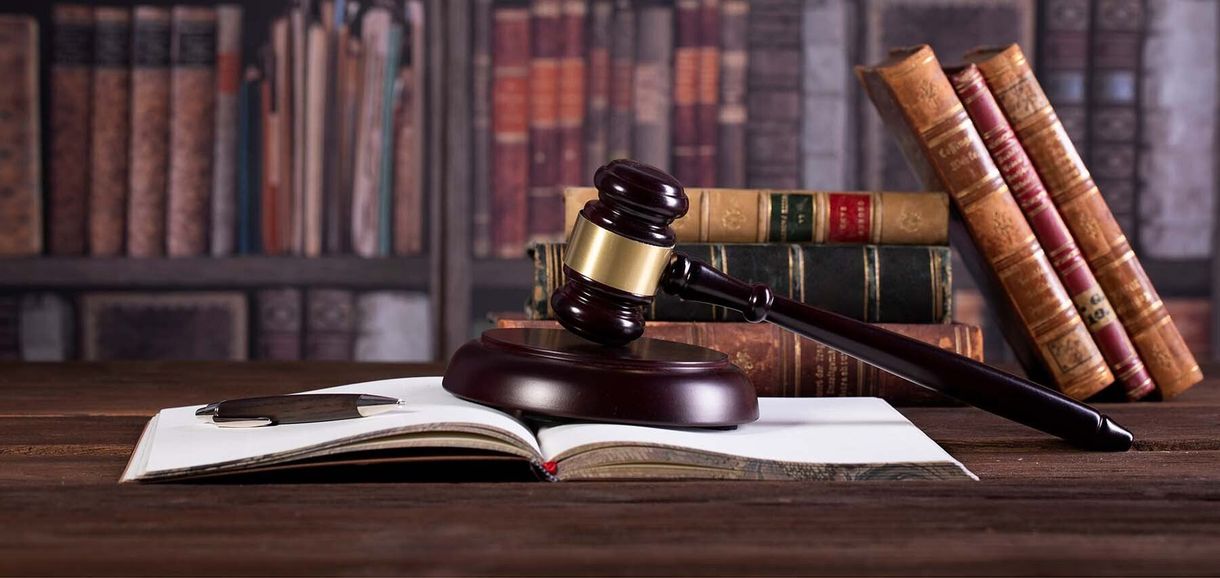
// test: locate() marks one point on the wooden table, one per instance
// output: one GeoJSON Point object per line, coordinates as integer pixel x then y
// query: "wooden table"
{"type": "Point", "coordinates": [1040, 507]}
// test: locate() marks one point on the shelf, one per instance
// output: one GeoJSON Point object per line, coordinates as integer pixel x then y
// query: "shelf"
{"type": "Point", "coordinates": [213, 272]}
{"type": "Point", "coordinates": [503, 274]}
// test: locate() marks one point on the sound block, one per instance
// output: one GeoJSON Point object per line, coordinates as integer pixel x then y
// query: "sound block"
{"type": "Point", "coordinates": [551, 372]}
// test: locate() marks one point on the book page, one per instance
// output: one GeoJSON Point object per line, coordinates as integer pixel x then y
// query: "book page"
{"type": "Point", "coordinates": [177, 440]}
{"type": "Point", "coordinates": [842, 430]}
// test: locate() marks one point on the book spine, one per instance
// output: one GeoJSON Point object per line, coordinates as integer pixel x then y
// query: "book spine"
{"type": "Point", "coordinates": [511, 33]}
{"type": "Point", "coordinates": [277, 229]}
{"type": "Point", "coordinates": [149, 153]}
{"type": "Point", "coordinates": [249, 162]}
{"type": "Point", "coordinates": [622, 81]}
{"type": "Point", "coordinates": [731, 119]}
{"type": "Point", "coordinates": [350, 97]}
{"type": "Point", "coordinates": [279, 324]}
{"type": "Point", "coordinates": [20, 143]}
{"type": "Point", "coordinates": [572, 100]}
{"type": "Point", "coordinates": [111, 130]}
{"type": "Point", "coordinates": [1014, 165]}
{"type": "Point", "coordinates": [878, 284]}
{"type": "Point", "coordinates": [545, 51]}
{"type": "Point", "coordinates": [330, 324]}
{"type": "Point", "coordinates": [315, 135]}
{"type": "Point", "coordinates": [825, 135]}
{"type": "Point", "coordinates": [1088, 217]}
{"type": "Point", "coordinates": [780, 363]}
{"type": "Point", "coordinates": [224, 169]}
{"type": "Point", "coordinates": [1114, 93]}
{"type": "Point", "coordinates": [71, 80]}
{"type": "Point", "coordinates": [773, 99]}
{"type": "Point", "coordinates": [708, 96]}
{"type": "Point", "coordinates": [687, 54]}
{"type": "Point", "coordinates": [298, 91]}
{"type": "Point", "coordinates": [192, 121]}
{"type": "Point", "coordinates": [390, 89]}
{"type": "Point", "coordinates": [597, 117]}
{"type": "Point", "coordinates": [764, 216]}
{"type": "Point", "coordinates": [408, 167]}
{"type": "Point", "coordinates": [1063, 58]}
{"type": "Point", "coordinates": [366, 206]}
{"type": "Point", "coordinates": [921, 110]}
{"type": "Point", "coordinates": [652, 131]}
{"type": "Point", "coordinates": [480, 121]}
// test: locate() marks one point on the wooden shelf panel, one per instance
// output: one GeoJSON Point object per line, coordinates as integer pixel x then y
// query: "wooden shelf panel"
{"type": "Point", "coordinates": [214, 273]}
{"type": "Point", "coordinates": [503, 274]}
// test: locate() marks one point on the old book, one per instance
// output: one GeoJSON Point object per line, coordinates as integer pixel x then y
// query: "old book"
{"type": "Point", "coordinates": [371, 141]}
{"type": "Point", "coordinates": [510, 155]}
{"type": "Point", "coordinates": [773, 96]}
{"type": "Point", "coordinates": [224, 154]}
{"type": "Point", "coordinates": [349, 96]}
{"type": "Point", "coordinates": [278, 205]}
{"type": "Point", "coordinates": [793, 439]}
{"type": "Point", "coordinates": [1114, 93]}
{"type": "Point", "coordinates": [299, 17]}
{"type": "Point", "coordinates": [47, 327]}
{"type": "Point", "coordinates": [652, 129]}
{"type": "Point", "coordinates": [621, 140]}
{"type": "Point", "coordinates": [783, 364]}
{"type": "Point", "coordinates": [249, 164]}
{"type": "Point", "coordinates": [149, 153]}
{"type": "Point", "coordinates": [949, 27]}
{"type": "Point", "coordinates": [390, 88]}
{"type": "Point", "coordinates": [874, 283]}
{"type": "Point", "coordinates": [330, 324]}
{"type": "Point", "coordinates": [597, 114]}
{"type": "Point", "coordinates": [163, 326]}
{"type": "Point", "coordinates": [316, 82]}
{"type": "Point", "coordinates": [687, 55]}
{"type": "Point", "coordinates": [192, 122]}
{"type": "Point", "coordinates": [1089, 219]}
{"type": "Point", "coordinates": [68, 167]}
{"type": "Point", "coordinates": [1063, 64]}
{"type": "Point", "coordinates": [572, 100]}
{"type": "Point", "coordinates": [20, 139]}
{"type": "Point", "coordinates": [409, 148]}
{"type": "Point", "coordinates": [393, 326]}
{"type": "Point", "coordinates": [1178, 130]}
{"type": "Point", "coordinates": [731, 119]}
{"type": "Point", "coordinates": [10, 328]}
{"type": "Point", "coordinates": [707, 96]}
{"type": "Point", "coordinates": [1030, 194]}
{"type": "Point", "coordinates": [480, 121]}
{"type": "Point", "coordinates": [766, 216]}
{"type": "Point", "coordinates": [546, 45]}
{"type": "Point", "coordinates": [280, 323]}
{"type": "Point", "coordinates": [110, 129]}
{"type": "Point", "coordinates": [827, 122]}
{"type": "Point", "coordinates": [918, 104]}
{"type": "Point", "coordinates": [338, 140]}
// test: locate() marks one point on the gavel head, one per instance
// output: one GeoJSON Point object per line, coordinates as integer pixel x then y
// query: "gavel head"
{"type": "Point", "coordinates": [617, 252]}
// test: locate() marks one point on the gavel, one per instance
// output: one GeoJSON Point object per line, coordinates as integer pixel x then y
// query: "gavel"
{"type": "Point", "coordinates": [622, 250]}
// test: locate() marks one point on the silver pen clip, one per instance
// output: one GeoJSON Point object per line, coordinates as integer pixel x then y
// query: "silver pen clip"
{"type": "Point", "coordinates": [207, 413]}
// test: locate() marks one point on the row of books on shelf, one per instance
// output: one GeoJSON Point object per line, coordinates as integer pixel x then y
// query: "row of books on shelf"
{"type": "Point", "coordinates": [286, 323]}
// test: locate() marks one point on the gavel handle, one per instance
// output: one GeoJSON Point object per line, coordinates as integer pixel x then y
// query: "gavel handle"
{"type": "Point", "coordinates": [959, 377]}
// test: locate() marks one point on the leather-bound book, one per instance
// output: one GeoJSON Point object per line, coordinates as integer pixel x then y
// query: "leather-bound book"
{"type": "Point", "coordinates": [620, 140]}
{"type": "Point", "coordinates": [409, 145]}
{"type": "Point", "coordinates": [687, 54]}
{"type": "Point", "coordinates": [111, 129]}
{"type": "Point", "coordinates": [510, 153]}
{"type": "Point", "coordinates": [20, 141]}
{"type": "Point", "coordinates": [597, 116]}
{"type": "Point", "coordinates": [317, 80]}
{"type": "Point", "coordinates": [941, 144]}
{"type": "Point", "coordinates": [1114, 93]}
{"type": "Point", "coordinates": [773, 97]}
{"type": "Point", "coordinates": [1027, 188]}
{"type": "Point", "coordinates": [149, 156]}
{"type": "Point", "coordinates": [731, 119]}
{"type": "Point", "coordinates": [793, 216]}
{"type": "Point", "coordinates": [249, 163]}
{"type": "Point", "coordinates": [1063, 64]}
{"type": "Point", "coordinates": [163, 326]}
{"type": "Point", "coordinates": [68, 167]}
{"type": "Point", "coordinates": [278, 206]}
{"type": "Point", "coordinates": [192, 122]}
{"type": "Point", "coordinates": [393, 326]}
{"type": "Point", "coordinates": [48, 325]}
{"type": "Point", "coordinates": [480, 122]}
{"type": "Point", "coordinates": [546, 44]}
{"type": "Point", "coordinates": [828, 123]}
{"type": "Point", "coordinates": [224, 169]}
{"type": "Point", "coordinates": [330, 324]}
{"type": "Point", "coordinates": [572, 101]}
{"type": "Point", "coordinates": [782, 364]}
{"type": "Point", "coordinates": [708, 95]}
{"type": "Point", "coordinates": [371, 141]}
{"type": "Point", "coordinates": [1089, 219]}
{"type": "Point", "coordinates": [873, 283]}
{"type": "Point", "coordinates": [280, 320]}
{"type": "Point", "coordinates": [652, 130]}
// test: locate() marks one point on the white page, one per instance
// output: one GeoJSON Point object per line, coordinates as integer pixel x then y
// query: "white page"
{"type": "Point", "coordinates": [837, 430]}
{"type": "Point", "coordinates": [181, 440]}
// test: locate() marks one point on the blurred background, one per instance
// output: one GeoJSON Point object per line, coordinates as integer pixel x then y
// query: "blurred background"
{"type": "Point", "coordinates": [359, 180]}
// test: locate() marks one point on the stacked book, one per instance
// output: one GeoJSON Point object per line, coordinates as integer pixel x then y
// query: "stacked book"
{"type": "Point", "coordinates": [876, 257]}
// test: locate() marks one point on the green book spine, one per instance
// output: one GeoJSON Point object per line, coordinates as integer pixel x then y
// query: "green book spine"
{"type": "Point", "coordinates": [873, 283]}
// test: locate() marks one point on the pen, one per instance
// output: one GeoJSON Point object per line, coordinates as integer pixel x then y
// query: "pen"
{"type": "Point", "coordinates": [284, 409]}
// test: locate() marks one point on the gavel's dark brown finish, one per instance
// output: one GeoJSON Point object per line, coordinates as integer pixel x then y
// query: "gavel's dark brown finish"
{"type": "Point", "coordinates": [639, 202]}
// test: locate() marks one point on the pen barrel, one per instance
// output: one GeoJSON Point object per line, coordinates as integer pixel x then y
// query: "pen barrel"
{"type": "Point", "coordinates": [285, 409]}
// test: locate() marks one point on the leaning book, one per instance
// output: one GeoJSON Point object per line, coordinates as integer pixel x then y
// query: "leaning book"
{"type": "Point", "coordinates": [793, 439]}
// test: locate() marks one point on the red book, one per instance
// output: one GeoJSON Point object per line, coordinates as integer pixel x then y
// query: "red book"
{"type": "Point", "coordinates": [687, 53]}
{"type": "Point", "coordinates": [571, 98]}
{"type": "Point", "coordinates": [708, 99]}
{"type": "Point", "coordinates": [1052, 233]}
{"type": "Point", "coordinates": [510, 151]}
{"type": "Point", "coordinates": [545, 208]}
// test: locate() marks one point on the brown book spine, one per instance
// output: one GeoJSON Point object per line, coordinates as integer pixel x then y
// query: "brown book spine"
{"type": "Point", "coordinates": [191, 127]}
{"type": "Point", "coordinates": [597, 118]}
{"type": "Point", "coordinates": [1091, 303]}
{"type": "Point", "coordinates": [622, 81]}
{"type": "Point", "coordinates": [330, 324]}
{"type": "Point", "coordinates": [224, 169]}
{"type": "Point", "coordinates": [546, 46]}
{"type": "Point", "coordinates": [480, 121]}
{"type": "Point", "coordinates": [918, 105]}
{"type": "Point", "coordinates": [1089, 219]}
{"type": "Point", "coordinates": [510, 110]}
{"type": "Point", "coordinates": [708, 98]}
{"type": "Point", "coordinates": [1114, 102]}
{"type": "Point", "coordinates": [279, 324]}
{"type": "Point", "coordinates": [111, 129]}
{"type": "Point", "coordinates": [653, 131]}
{"type": "Point", "coordinates": [315, 156]}
{"type": "Point", "coordinates": [20, 145]}
{"type": "Point", "coordinates": [71, 78]}
{"type": "Point", "coordinates": [408, 148]}
{"type": "Point", "coordinates": [731, 119]}
{"type": "Point", "coordinates": [773, 97]}
{"type": "Point", "coordinates": [277, 214]}
{"type": "Point", "coordinates": [572, 101]}
{"type": "Point", "coordinates": [149, 156]}
{"type": "Point", "coordinates": [782, 364]}
{"type": "Point", "coordinates": [687, 55]}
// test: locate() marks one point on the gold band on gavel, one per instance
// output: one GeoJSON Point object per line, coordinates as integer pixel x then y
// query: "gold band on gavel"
{"type": "Point", "coordinates": [615, 260]}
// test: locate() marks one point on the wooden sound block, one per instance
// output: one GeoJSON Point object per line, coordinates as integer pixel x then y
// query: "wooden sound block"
{"type": "Point", "coordinates": [551, 372]}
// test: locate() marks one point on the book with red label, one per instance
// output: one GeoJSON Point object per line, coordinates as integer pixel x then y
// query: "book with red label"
{"type": "Point", "coordinates": [68, 167]}
{"type": "Point", "coordinates": [572, 100]}
{"type": "Point", "coordinates": [510, 113]}
{"type": "Point", "coordinates": [546, 45]}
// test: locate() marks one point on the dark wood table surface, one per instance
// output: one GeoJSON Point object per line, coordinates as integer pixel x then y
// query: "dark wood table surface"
{"type": "Point", "coordinates": [1040, 506]}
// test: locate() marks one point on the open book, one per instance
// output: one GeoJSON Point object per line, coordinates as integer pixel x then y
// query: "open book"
{"type": "Point", "coordinates": [794, 438]}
